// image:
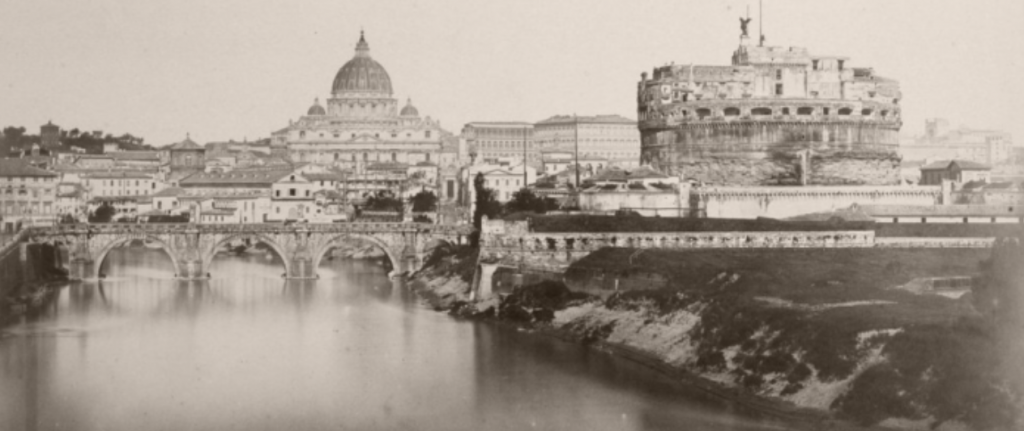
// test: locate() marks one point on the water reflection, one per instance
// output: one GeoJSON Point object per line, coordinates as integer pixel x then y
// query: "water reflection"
{"type": "Point", "coordinates": [250, 350]}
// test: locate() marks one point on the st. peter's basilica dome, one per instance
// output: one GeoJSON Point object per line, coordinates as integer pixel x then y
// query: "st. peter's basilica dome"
{"type": "Point", "coordinates": [361, 75]}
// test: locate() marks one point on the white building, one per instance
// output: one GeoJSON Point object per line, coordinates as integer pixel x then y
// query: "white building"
{"type": "Point", "coordinates": [120, 184]}
{"type": "Point", "coordinates": [505, 180]}
{"type": "Point", "coordinates": [489, 141]}
{"type": "Point", "coordinates": [27, 194]}
{"type": "Point", "coordinates": [613, 137]}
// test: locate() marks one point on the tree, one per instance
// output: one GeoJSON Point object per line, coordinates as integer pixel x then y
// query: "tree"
{"type": "Point", "coordinates": [383, 200]}
{"type": "Point", "coordinates": [104, 214]}
{"type": "Point", "coordinates": [424, 201]}
{"type": "Point", "coordinates": [13, 134]}
{"type": "Point", "coordinates": [1000, 291]}
{"type": "Point", "coordinates": [486, 205]}
{"type": "Point", "coordinates": [524, 200]}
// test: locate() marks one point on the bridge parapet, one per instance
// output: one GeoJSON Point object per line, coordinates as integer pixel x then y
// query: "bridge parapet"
{"type": "Point", "coordinates": [192, 247]}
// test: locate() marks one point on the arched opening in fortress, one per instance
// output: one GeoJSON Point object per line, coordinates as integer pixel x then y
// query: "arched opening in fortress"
{"type": "Point", "coordinates": [252, 254]}
{"type": "Point", "coordinates": [866, 112]}
{"type": "Point", "coordinates": [761, 111]}
{"type": "Point", "coordinates": [804, 110]}
{"type": "Point", "coordinates": [703, 113]}
{"type": "Point", "coordinates": [135, 257]}
{"type": "Point", "coordinates": [845, 111]}
{"type": "Point", "coordinates": [732, 112]}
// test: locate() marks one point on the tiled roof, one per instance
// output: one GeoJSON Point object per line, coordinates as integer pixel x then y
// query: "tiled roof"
{"type": "Point", "coordinates": [137, 155]}
{"type": "Point", "coordinates": [246, 178]}
{"type": "Point", "coordinates": [583, 119]}
{"type": "Point", "coordinates": [21, 168]}
{"type": "Point", "coordinates": [118, 175]}
{"type": "Point", "coordinates": [615, 174]}
{"type": "Point", "coordinates": [170, 192]}
{"type": "Point", "coordinates": [187, 144]}
{"type": "Point", "coordinates": [965, 165]}
{"type": "Point", "coordinates": [387, 166]}
{"type": "Point", "coordinates": [324, 176]}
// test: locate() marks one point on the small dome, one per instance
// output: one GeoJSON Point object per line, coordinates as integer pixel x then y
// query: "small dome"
{"type": "Point", "coordinates": [409, 110]}
{"type": "Point", "coordinates": [361, 74]}
{"type": "Point", "coordinates": [187, 144]}
{"type": "Point", "coordinates": [316, 109]}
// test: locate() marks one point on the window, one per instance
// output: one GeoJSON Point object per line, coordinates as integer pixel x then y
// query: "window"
{"type": "Point", "coordinates": [291, 192]}
{"type": "Point", "coordinates": [778, 73]}
{"type": "Point", "coordinates": [307, 193]}
{"type": "Point", "coordinates": [426, 134]}
{"type": "Point", "coordinates": [778, 89]}
{"type": "Point", "coordinates": [814, 64]}
{"type": "Point", "coordinates": [394, 157]}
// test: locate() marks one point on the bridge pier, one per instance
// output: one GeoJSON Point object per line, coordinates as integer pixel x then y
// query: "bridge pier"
{"type": "Point", "coordinates": [191, 270]}
{"type": "Point", "coordinates": [398, 280]}
{"type": "Point", "coordinates": [301, 268]}
{"type": "Point", "coordinates": [485, 288]}
{"type": "Point", "coordinates": [80, 269]}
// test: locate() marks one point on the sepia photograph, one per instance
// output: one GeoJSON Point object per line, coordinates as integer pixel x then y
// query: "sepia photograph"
{"type": "Point", "coordinates": [458, 215]}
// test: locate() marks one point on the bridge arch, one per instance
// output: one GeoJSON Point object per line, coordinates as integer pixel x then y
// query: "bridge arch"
{"type": "Point", "coordinates": [118, 241]}
{"type": "Point", "coordinates": [396, 262]}
{"type": "Point", "coordinates": [209, 254]}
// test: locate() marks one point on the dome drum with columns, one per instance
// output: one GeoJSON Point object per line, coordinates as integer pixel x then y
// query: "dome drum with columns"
{"type": "Point", "coordinates": [361, 123]}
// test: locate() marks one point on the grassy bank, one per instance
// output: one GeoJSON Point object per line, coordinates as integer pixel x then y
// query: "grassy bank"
{"type": "Point", "coordinates": [828, 331]}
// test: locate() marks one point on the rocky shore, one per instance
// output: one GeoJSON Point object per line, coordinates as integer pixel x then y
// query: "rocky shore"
{"type": "Point", "coordinates": [823, 342]}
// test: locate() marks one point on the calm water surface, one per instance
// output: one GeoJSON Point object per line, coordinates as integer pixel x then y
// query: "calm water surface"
{"type": "Point", "coordinates": [249, 351]}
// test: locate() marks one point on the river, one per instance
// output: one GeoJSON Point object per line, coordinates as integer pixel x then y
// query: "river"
{"type": "Point", "coordinates": [248, 351]}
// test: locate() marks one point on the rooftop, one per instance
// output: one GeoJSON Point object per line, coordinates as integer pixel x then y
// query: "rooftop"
{"type": "Point", "coordinates": [21, 168]}
{"type": "Point", "coordinates": [965, 165]}
{"type": "Point", "coordinates": [247, 178]}
{"type": "Point", "coordinates": [583, 119]}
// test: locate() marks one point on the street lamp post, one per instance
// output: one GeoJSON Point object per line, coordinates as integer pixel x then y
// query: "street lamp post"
{"type": "Point", "coordinates": [526, 179]}
{"type": "Point", "coordinates": [576, 139]}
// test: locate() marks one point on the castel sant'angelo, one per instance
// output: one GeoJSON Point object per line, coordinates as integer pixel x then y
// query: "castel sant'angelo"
{"type": "Point", "coordinates": [776, 116]}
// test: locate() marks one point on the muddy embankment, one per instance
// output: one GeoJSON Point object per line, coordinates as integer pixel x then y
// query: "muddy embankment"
{"type": "Point", "coordinates": [830, 339]}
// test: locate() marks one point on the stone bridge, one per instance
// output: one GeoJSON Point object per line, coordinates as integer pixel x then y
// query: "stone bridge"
{"type": "Point", "coordinates": [192, 247]}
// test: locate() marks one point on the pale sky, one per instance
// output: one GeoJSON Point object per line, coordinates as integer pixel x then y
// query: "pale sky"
{"type": "Point", "coordinates": [243, 68]}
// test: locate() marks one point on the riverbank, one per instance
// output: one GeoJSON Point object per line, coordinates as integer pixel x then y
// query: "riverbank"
{"type": "Point", "coordinates": [824, 339]}
{"type": "Point", "coordinates": [31, 298]}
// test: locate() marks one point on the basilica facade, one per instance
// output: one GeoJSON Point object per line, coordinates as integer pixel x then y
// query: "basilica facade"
{"type": "Point", "coordinates": [362, 125]}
